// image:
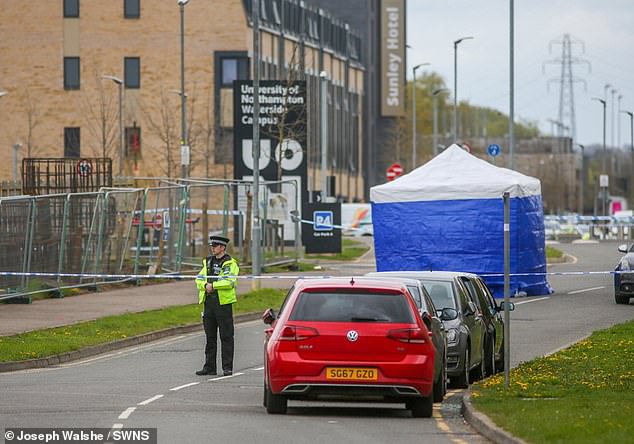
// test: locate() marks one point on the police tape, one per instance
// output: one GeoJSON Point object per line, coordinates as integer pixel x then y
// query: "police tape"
{"type": "Point", "coordinates": [284, 276]}
{"type": "Point", "coordinates": [328, 226]}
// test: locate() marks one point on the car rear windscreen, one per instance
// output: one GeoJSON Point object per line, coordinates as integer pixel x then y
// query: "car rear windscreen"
{"type": "Point", "coordinates": [352, 307]}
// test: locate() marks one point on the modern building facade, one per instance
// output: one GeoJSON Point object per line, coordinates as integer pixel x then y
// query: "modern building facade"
{"type": "Point", "coordinates": [86, 78]}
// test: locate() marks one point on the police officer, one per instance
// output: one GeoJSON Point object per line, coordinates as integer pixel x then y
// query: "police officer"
{"type": "Point", "coordinates": [216, 284]}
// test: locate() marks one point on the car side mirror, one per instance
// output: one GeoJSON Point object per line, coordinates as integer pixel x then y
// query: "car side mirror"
{"type": "Point", "coordinates": [269, 316]}
{"type": "Point", "coordinates": [623, 248]}
{"type": "Point", "coordinates": [510, 305]}
{"type": "Point", "coordinates": [448, 314]}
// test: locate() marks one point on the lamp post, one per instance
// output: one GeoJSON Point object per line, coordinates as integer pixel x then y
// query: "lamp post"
{"type": "Point", "coordinates": [184, 144]}
{"type": "Point", "coordinates": [612, 120]}
{"type": "Point", "coordinates": [119, 83]}
{"type": "Point", "coordinates": [604, 192]}
{"type": "Point", "coordinates": [323, 112]}
{"type": "Point", "coordinates": [455, 86]}
{"type": "Point", "coordinates": [16, 148]}
{"type": "Point", "coordinates": [629, 113]}
{"type": "Point", "coordinates": [434, 96]}
{"type": "Point", "coordinates": [618, 121]}
{"type": "Point", "coordinates": [414, 114]}
{"type": "Point", "coordinates": [582, 179]}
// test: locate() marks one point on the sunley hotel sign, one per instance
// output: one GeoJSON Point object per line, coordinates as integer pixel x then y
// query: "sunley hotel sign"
{"type": "Point", "coordinates": [392, 57]}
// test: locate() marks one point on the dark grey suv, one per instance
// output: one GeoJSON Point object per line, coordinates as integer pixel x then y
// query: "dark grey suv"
{"type": "Point", "coordinates": [465, 330]}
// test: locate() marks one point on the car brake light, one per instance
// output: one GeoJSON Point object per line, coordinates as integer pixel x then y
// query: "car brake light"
{"type": "Point", "coordinates": [294, 333]}
{"type": "Point", "coordinates": [411, 335]}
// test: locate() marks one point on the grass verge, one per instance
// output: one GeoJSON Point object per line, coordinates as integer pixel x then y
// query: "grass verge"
{"type": "Point", "coordinates": [53, 341]}
{"type": "Point", "coordinates": [583, 394]}
{"type": "Point", "coordinates": [553, 253]}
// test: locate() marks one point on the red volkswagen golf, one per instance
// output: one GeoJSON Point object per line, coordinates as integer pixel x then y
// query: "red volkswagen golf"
{"type": "Point", "coordinates": [348, 339]}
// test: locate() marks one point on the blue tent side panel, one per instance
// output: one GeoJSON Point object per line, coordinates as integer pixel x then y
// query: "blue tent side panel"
{"type": "Point", "coordinates": [464, 235]}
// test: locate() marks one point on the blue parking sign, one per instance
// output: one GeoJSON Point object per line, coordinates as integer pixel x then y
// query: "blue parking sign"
{"type": "Point", "coordinates": [323, 220]}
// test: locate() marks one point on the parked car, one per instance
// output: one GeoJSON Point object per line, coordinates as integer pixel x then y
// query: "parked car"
{"type": "Point", "coordinates": [465, 330]}
{"type": "Point", "coordinates": [624, 276]}
{"type": "Point", "coordinates": [493, 321]}
{"type": "Point", "coordinates": [348, 339]}
{"type": "Point", "coordinates": [433, 321]}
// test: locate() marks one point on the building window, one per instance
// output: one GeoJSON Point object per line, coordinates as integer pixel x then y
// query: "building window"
{"type": "Point", "coordinates": [71, 72]}
{"type": "Point", "coordinates": [71, 8]}
{"type": "Point", "coordinates": [234, 68]}
{"type": "Point", "coordinates": [132, 72]}
{"type": "Point", "coordinates": [133, 141]}
{"type": "Point", "coordinates": [132, 8]}
{"type": "Point", "coordinates": [71, 141]}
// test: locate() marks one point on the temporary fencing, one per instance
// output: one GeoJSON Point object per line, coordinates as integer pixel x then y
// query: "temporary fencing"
{"type": "Point", "coordinates": [55, 242]}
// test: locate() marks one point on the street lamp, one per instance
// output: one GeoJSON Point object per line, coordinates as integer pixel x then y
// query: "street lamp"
{"type": "Point", "coordinates": [16, 148]}
{"type": "Point", "coordinates": [119, 83]}
{"type": "Point", "coordinates": [612, 120]}
{"type": "Point", "coordinates": [455, 86]}
{"type": "Point", "coordinates": [629, 113]}
{"type": "Point", "coordinates": [604, 197]}
{"type": "Point", "coordinates": [582, 178]}
{"type": "Point", "coordinates": [184, 145]}
{"type": "Point", "coordinates": [414, 114]}
{"type": "Point", "coordinates": [434, 96]}
{"type": "Point", "coordinates": [618, 122]}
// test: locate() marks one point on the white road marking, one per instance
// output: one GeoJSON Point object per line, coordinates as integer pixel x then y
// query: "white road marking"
{"type": "Point", "coordinates": [127, 412]}
{"type": "Point", "coordinates": [152, 399]}
{"type": "Point", "coordinates": [532, 300]}
{"type": "Point", "coordinates": [117, 426]}
{"type": "Point", "coordinates": [220, 378]}
{"type": "Point", "coordinates": [584, 290]}
{"type": "Point", "coordinates": [174, 389]}
{"type": "Point", "coordinates": [257, 369]}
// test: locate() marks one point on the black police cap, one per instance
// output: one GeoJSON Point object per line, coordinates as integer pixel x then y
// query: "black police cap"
{"type": "Point", "coordinates": [218, 240]}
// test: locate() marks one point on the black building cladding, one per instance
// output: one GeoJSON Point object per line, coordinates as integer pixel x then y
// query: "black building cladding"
{"type": "Point", "coordinates": [365, 16]}
{"type": "Point", "coordinates": [323, 23]}
{"type": "Point", "coordinates": [302, 20]}
{"type": "Point", "coordinates": [311, 26]}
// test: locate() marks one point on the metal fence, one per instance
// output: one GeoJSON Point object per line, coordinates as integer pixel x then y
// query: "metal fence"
{"type": "Point", "coordinates": [120, 234]}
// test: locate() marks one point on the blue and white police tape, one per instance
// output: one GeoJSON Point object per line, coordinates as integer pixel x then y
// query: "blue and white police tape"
{"type": "Point", "coordinates": [268, 276]}
{"type": "Point", "coordinates": [326, 225]}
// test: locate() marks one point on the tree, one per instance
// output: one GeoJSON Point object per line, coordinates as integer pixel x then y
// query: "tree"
{"type": "Point", "coordinates": [163, 125]}
{"type": "Point", "coordinates": [101, 115]}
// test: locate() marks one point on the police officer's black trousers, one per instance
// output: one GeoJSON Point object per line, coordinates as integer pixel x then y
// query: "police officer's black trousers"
{"type": "Point", "coordinates": [218, 318]}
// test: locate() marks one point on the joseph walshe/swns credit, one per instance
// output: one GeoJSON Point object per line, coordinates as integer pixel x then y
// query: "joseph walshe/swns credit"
{"type": "Point", "coordinates": [84, 435]}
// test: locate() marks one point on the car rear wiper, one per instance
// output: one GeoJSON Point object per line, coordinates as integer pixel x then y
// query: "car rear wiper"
{"type": "Point", "coordinates": [360, 319]}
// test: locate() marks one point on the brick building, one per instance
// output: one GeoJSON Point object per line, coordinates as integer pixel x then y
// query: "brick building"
{"type": "Point", "coordinates": [54, 56]}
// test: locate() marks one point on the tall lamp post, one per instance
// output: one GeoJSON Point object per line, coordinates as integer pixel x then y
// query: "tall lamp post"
{"type": "Point", "coordinates": [455, 86]}
{"type": "Point", "coordinates": [434, 96]}
{"type": "Point", "coordinates": [414, 114]}
{"type": "Point", "coordinates": [184, 144]}
{"type": "Point", "coordinates": [612, 120]}
{"type": "Point", "coordinates": [629, 113]}
{"type": "Point", "coordinates": [604, 191]}
{"type": "Point", "coordinates": [119, 83]}
{"type": "Point", "coordinates": [582, 179]}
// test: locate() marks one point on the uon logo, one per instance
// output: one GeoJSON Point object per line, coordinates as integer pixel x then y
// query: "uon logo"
{"type": "Point", "coordinates": [323, 220]}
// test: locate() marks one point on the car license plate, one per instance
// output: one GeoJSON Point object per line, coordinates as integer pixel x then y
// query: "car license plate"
{"type": "Point", "coordinates": [355, 374]}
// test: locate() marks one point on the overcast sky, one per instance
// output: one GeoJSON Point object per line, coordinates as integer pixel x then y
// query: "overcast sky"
{"type": "Point", "coordinates": [606, 27]}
